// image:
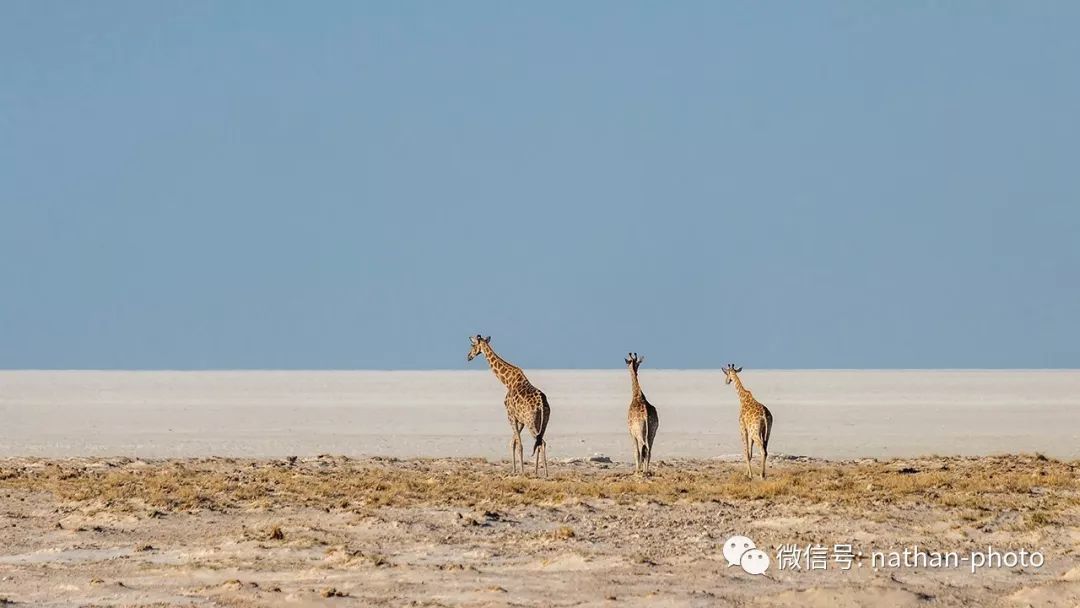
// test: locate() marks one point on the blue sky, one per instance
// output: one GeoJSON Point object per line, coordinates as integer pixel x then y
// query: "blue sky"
{"type": "Point", "coordinates": [364, 185]}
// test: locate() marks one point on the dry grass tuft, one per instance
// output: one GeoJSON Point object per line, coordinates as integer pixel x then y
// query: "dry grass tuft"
{"type": "Point", "coordinates": [1034, 486]}
{"type": "Point", "coordinates": [563, 533]}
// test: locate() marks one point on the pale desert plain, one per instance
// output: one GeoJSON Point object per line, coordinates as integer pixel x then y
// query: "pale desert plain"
{"type": "Point", "coordinates": [394, 488]}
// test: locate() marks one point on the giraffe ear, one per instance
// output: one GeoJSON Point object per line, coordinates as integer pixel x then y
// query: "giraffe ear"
{"type": "Point", "coordinates": [487, 339]}
{"type": "Point", "coordinates": [627, 361]}
{"type": "Point", "coordinates": [738, 371]}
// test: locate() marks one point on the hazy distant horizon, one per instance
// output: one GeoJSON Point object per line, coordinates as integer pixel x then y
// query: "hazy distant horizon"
{"type": "Point", "coordinates": [824, 414]}
{"type": "Point", "coordinates": [543, 369]}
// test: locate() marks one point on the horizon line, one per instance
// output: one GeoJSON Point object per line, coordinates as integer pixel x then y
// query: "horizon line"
{"type": "Point", "coordinates": [541, 369]}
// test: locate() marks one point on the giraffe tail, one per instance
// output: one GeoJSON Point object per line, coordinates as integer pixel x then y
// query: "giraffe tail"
{"type": "Point", "coordinates": [543, 425]}
{"type": "Point", "coordinates": [539, 442]}
{"type": "Point", "coordinates": [646, 451]}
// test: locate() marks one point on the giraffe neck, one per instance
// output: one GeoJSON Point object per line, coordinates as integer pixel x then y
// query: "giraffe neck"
{"type": "Point", "coordinates": [508, 374]}
{"type": "Point", "coordinates": [744, 395]}
{"type": "Point", "coordinates": [634, 385]}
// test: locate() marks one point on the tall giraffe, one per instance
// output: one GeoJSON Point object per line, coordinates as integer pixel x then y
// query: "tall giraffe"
{"type": "Point", "coordinates": [642, 418]}
{"type": "Point", "coordinates": [526, 406]}
{"type": "Point", "coordinates": [755, 420]}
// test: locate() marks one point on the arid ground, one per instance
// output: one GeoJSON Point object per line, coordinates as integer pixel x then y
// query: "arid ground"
{"type": "Point", "coordinates": [462, 532]}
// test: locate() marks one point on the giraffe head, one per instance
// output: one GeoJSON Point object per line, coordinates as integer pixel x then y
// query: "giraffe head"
{"type": "Point", "coordinates": [633, 361]}
{"type": "Point", "coordinates": [477, 342]}
{"type": "Point", "coordinates": [729, 373]}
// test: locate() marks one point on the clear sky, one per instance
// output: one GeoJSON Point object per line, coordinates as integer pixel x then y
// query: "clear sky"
{"type": "Point", "coordinates": [216, 184]}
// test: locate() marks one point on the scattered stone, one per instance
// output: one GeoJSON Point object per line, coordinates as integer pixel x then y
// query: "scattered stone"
{"type": "Point", "coordinates": [598, 457]}
{"type": "Point", "coordinates": [332, 592]}
{"type": "Point", "coordinates": [378, 560]}
{"type": "Point", "coordinates": [563, 533]}
{"type": "Point", "coordinates": [276, 533]}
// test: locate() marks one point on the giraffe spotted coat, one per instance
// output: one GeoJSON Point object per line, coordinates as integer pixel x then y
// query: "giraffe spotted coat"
{"type": "Point", "coordinates": [526, 406]}
{"type": "Point", "coordinates": [755, 421]}
{"type": "Point", "coordinates": [641, 419]}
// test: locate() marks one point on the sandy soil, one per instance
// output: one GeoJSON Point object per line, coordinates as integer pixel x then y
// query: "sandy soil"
{"type": "Point", "coordinates": [462, 532]}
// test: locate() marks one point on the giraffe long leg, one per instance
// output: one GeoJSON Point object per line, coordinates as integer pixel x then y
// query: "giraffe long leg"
{"type": "Point", "coordinates": [637, 453]}
{"type": "Point", "coordinates": [645, 453]}
{"type": "Point", "coordinates": [515, 437]}
{"type": "Point", "coordinates": [521, 454]}
{"type": "Point", "coordinates": [748, 451]}
{"type": "Point", "coordinates": [648, 455]}
{"type": "Point", "coordinates": [643, 457]}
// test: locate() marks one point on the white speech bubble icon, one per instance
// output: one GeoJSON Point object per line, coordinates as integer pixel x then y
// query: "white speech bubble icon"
{"type": "Point", "coordinates": [755, 561]}
{"type": "Point", "coordinates": [734, 547]}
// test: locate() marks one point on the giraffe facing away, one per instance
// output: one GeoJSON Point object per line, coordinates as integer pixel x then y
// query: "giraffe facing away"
{"type": "Point", "coordinates": [642, 418]}
{"type": "Point", "coordinates": [526, 406]}
{"type": "Point", "coordinates": [755, 420]}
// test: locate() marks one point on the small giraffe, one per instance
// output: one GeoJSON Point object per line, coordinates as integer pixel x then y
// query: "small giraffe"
{"type": "Point", "coordinates": [526, 406]}
{"type": "Point", "coordinates": [755, 420]}
{"type": "Point", "coordinates": [642, 418]}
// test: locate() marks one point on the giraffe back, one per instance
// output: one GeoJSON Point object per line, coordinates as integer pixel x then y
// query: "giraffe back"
{"type": "Point", "coordinates": [642, 418]}
{"type": "Point", "coordinates": [754, 418]}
